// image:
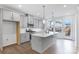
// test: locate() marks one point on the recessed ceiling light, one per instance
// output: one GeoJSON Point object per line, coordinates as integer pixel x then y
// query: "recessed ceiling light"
{"type": "Point", "coordinates": [19, 6]}
{"type": "Point", "coordinates": [65, 5]}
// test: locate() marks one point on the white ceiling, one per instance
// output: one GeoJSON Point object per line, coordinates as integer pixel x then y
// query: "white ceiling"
{"type": "Point", "coordinates": [50, 10]}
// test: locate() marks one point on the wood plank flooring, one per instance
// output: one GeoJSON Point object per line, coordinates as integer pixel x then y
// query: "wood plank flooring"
{"type": "Point", "coordinates": [60, 47]}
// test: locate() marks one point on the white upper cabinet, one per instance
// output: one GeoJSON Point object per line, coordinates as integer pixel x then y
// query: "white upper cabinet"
{"type": "Point", "coordinates": [10, 15]}
{"type": "Point", "coordinates": [23, 21]}
{"type": "Point", "coordinates": [7, 14]}
{"type": "Point", "coordinates": [35, 23]}
{"type": "Point", "coordinates": [16, 16]}
{"type": "Point", "coordinates": [40, 23]}
{"type": "Point", "coordinates": [30, 20]}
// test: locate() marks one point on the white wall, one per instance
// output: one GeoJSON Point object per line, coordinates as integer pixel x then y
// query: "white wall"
{"type": "Point", "coordinates": [0, 29]}
{"type": "Point", "coordinates": [78, 32]}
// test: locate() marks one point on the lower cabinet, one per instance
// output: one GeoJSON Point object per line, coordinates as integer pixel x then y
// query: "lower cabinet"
{"type": "Point", "coordinates": [9, 39]}
{"type": "Point", "coordinates": [24, 37]}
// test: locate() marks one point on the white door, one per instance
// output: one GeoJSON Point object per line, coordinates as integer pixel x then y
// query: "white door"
{"type": "Point", "coordinates": [9, 33]}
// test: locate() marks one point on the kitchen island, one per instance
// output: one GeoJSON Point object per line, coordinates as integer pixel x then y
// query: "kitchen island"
{"type": "Point", "coordinates": [42, 41]}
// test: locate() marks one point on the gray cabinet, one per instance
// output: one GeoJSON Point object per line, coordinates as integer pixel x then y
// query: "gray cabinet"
{"type": "Point", "coordinates": [24, 37]}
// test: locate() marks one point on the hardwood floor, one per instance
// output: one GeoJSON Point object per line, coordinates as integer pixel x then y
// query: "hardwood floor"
{"type": "Point", "coordinates": [60, 47]}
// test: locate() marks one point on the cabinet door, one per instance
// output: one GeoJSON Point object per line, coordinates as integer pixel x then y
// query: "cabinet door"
{"type": "Point", "coordinates": [24, 37]}
{"type": "Point", "coordinates": [35, 23]}
{"type": "Point", "coordinates": [16, 16]}
{"type": "Point", "coordinates": [22, 21]}
{"type": "Point", "coordinates": [7, 15]}
{"type": "Point", "coordinates": [40, 24]}
{"type": "Point", "coordinates": [25, 22]}
{"type": "Point", "coordinates": [30, 20]}
{"type": "Point", "coordinates": [27, 36]}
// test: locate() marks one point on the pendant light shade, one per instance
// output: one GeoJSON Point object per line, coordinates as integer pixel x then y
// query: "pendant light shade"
{"type": "Point", "coordinates": [43, 14]}
{"type": "Point", "coordinates": [43, 21]}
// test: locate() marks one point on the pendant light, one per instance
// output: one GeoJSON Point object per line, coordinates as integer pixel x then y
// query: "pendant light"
{"type": "Point", "coordinates": [44, 14]}
{"type": "Point", "coordinates": [44, 21]}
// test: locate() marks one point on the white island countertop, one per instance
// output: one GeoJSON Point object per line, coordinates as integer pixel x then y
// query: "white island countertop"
{"type": "Point", "coordinates": [43, 34]}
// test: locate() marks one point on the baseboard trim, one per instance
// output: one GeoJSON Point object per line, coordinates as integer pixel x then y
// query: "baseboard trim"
{"type": "Point", "coordinates": [10, 45]}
